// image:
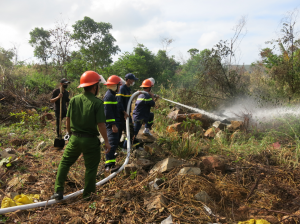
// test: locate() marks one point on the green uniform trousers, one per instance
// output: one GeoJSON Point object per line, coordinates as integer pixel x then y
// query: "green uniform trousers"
{"type": "Point", "coordinates": [90, 147]}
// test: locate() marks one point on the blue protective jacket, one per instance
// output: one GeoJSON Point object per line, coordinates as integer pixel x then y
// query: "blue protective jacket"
{"type": "Point", "coordinates": [111, 108]}
{"type": "Point", "coordinates": [123, 97]}
{"type": "Point", "coordinates": [142, 107]}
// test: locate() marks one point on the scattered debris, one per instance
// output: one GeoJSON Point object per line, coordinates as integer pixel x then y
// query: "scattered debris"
{"type": "Point", "coordinates": [221, 136]}
{"type": "Point", "coordinates": [211, 132]}
{"type": "Point", "coordinates": [203, 197]}
{"type": "Point", "coordinates": [168, 220]}
{"type": "Point", "coordinates": [190, 171]}
{"type": "Point", "coordinates": [156, 202]}
{"type": "Point", "coordinates": [129, 168]}
{"type": "Point", "coordinates": [156, 183]}
{"type": "Point", "coordinates": [235, 125]}
{"type": "Point", "coordinates": [219, 125]}
{"type": "Point", "coordinates": [211, 163]}
{"type": "Point", "coordinates": [166, 165]}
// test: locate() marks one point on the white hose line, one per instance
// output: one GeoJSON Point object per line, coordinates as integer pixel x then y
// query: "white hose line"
{"type": "Point", "coordinates": [51, 202]}
{"type": "Point", "coordinates": [213, 116]}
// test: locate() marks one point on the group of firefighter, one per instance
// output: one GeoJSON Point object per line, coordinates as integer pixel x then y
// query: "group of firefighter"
{"type": "Point", "coordinates": [87, 115]}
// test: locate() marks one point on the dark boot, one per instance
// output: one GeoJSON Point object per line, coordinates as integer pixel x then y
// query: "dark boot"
{"type": "Point", "coordinates": [59, 195]}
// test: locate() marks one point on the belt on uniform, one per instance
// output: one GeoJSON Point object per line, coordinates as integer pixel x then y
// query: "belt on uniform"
{"type": "Point", "coordinates": [84, 135]}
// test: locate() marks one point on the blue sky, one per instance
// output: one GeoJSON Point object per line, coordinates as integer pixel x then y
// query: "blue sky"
{"type": "Point", "coordinates": [191, 23]}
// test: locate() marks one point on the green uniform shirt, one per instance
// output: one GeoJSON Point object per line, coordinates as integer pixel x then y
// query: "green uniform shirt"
{"type": "Point", "coordinates": [85, 112]}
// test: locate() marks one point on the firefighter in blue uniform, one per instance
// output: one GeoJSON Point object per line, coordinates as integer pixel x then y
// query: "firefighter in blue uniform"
{"type": "Point", "coordinates": [113, 119]}
{"type": "Point", "coordinates": [123, 97]}
{"type": "Point", "coordinates": [141, 112]}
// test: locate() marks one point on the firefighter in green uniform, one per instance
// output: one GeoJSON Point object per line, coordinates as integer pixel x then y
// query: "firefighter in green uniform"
{"type": "Point", "coordinates": [85, 113]}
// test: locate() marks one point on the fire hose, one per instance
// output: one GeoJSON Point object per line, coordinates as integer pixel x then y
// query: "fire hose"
{"type": "Point", "coordinates": [112, 175]}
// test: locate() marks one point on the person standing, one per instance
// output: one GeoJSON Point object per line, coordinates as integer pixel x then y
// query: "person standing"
{"type": "Point", "coordinates": [123, 97]}
{"type": "Point", "coordinates": [141, 112]}
{"type": "Point", "coordinates": [84, 116]}
{"type": "Point", "coordinates": [56, 95]}
{"type": "Point", "coordinates": [113, 119]}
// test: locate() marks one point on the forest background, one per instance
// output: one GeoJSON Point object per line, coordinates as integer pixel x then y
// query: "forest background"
{"type": "Point", "coordinates": [208, 79]}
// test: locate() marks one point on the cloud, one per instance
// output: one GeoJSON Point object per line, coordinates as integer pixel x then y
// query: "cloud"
{"type": "Point", "coordinates": [208, 40]}
{"type": "Point", "coordinates": [192, 23]}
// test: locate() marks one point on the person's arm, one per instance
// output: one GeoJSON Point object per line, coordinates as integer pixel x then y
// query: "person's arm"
{"type": "Point", "coordinates": [102, 130]}
{"type": "Point", "coordinates": [121, 101]}
{"type": "Point", "coordinates": [68, 125]}
{"type": "Point", "coordinates": [150, 102]}
{"type": "Point", "coordinates": [55, 96]}
{"type": "Point", "coordinates": [109, 113]}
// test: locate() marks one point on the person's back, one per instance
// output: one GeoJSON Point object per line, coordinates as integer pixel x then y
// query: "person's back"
{"type": "Point", "coordinates": [143, 106]}
{"type": "Point", "coordinates": [84, 112]}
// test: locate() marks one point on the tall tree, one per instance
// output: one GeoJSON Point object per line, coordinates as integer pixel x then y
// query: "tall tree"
{"type": "Point", "coordinates": [95, 41]}
{"type": "Point", "coordinates": [61, 42]}
{"type": "Point", "coordinates": [284, 66]}
{"type": "Point", "coordinates": [6, 64]}
{"type": "Point", "coordinates": [40, 40]}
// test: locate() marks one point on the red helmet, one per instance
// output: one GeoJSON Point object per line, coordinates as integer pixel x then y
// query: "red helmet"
{"type": "Point", "coordinates": [89, 78]}
{"type": "Point", "coordinates": [113, 80]}
{"type": "Point", "coordinates": [147, 83]}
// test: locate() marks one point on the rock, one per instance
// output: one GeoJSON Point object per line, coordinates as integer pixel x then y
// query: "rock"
{"type": "Point", "coordinates": [143, 163]}
{"type": "Point", "coordinates": [166, 165]}
{"type": "Point", "coordinates": [140, 154]}
{"type": "Point", "coordinates": [236, 136]}
{"type": "Point", "coordinates": [180, 128]}
{"type": "Point", "coordinates": [120, 194]}
{"type": "Point", "coordinates": [210, 163]}
{"type": "Point", "coordinates": [17, 182]}
{"type": "Point", "coordinates": [10, 151]}
{"type": "Point", "coordinates": [190, 171]}
{"type": "Point", "coordinates": [46, 116]}
{"type": "Point", "coordinates": [211, 132]}
{"type": "Point", "coordinates": [41, 146]}
{"type": "Point", "coordinates": [156, 202]}
{"type": "Point", "coordinates": [220, 125]}
{"type": "Point", "coordinates": [129, 168]}
{"type": "Point", "coordinates": [221, 136]}
{"type": "Point", "coordinates": [203, 197]}
{"type": "Point", "coordinates": [155, 184]}
{"type": "Point", "coordinates": [173, 114]}
{"type": "Point", "coordinates": [4, 154]}
{"type": "Point", "coordinates": [168, 220]}
{"type": "Point", "coordinates": [12, 194]}
{"type": "Point", "coordinates": [235, 125]}
{"type": "Point", "coordinates": [205, 120]}
{"type": "Point", "coordinates": [148, 149]}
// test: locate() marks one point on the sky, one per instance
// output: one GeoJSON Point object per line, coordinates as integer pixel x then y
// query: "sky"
{"type": "Point", "coordinates": [190, 23]}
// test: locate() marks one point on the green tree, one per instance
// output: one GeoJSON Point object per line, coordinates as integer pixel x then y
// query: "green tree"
{"type": "Point", "coordinates": [6, 64]}
{"type": "Point", "coordinates": [167, 67]}
{"type": "Point", "coordinates": [284, 66]}
{"type": "Point", "coordinates": [96, 43]}
{"type": "Point", "coordinates": [61, 42]}
{"type": "Point", "coordinates": [193, 51]}
{"type": "Point", "coordinates": [40, 40]}
{"type": "Point", "coordinates": [130, 63]}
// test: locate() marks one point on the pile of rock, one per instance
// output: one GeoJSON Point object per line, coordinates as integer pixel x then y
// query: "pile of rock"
{"type": "Point", "coordinates": [207, 127]}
